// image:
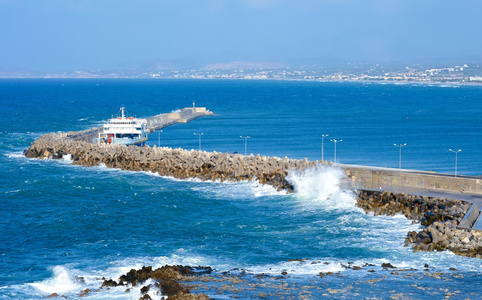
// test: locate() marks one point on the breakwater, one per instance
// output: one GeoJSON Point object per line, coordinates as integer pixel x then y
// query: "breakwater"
{"type": "Point", "coordinates": [440, 217]}
{"type": "Point", "coordinates": [178, 163]}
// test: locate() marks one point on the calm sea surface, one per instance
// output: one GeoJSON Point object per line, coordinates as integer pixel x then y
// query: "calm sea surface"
{"type": "Point", "coordinates": [59, 221]}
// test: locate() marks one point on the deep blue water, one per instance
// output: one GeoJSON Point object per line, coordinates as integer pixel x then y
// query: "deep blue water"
{"type": "Point", "coordinates": [59, 221]}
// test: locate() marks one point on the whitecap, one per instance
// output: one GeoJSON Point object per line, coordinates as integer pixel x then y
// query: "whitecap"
{"type": "Point", "coordinates": [321, 187]}
{"type": "Point", "coordinates": [61, 282]}
{"type": "Point", "coordinates": [15, 155]}
{"type": "Point", "coordinates": [242, 190]}
{"type": "Point", "coordinates": [67, 158]}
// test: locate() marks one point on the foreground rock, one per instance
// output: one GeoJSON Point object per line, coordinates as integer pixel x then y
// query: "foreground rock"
{"type": "Point", "coordinates": [178, 163]}
{"type": "Point", "coordinates": [167, 280]}
{"type": "Point", "coordinates": [439, 216]}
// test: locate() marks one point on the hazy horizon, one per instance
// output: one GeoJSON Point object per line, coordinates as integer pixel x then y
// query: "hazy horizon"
{"type": "Point", "coordinates": [64, 36]}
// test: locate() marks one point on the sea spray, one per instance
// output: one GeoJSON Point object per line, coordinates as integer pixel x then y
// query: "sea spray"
{"type": "Point", "coordinates": [61, 282]}
{"type": "Point", "coordinates": [321, 185]}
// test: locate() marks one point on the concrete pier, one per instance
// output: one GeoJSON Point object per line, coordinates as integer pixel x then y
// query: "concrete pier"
{"type": "Point", "coordinates": [373, 178]}
{"type": "Point", "coordinates": [183, 116]}
{"type": "Point", "coordinates": [154, 123]}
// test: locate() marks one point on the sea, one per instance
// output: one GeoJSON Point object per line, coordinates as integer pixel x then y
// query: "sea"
{"type": "Point", "coordinates": [63, 227]}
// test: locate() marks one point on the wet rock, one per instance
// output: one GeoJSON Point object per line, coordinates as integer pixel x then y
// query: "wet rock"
{"type": "Point", "coordinates": [183, 296]}
{"type": "Point", "coordinates": [388, 266]}
{"type": "Point", "coordinates": [167, 279]}
{"type": "Point", "coordinates": [84, 293]}
{"type": "Point", "coordinates": [109, 283]}
{"type": "Point", "coordinates": [145, 289]}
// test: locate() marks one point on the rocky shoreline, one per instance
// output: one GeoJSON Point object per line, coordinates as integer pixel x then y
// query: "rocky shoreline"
{"type": "Point", "coordinates": [439, 216]}
{"type": "Point", "coordinates": [167, 281]}
{"type": "Point", "coordinates": [201, 283]}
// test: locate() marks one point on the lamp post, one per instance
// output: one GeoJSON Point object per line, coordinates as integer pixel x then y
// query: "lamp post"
{"type": "Point", "coordinates": [159, 138]}
{"type": "Point", "coordinates": [245, 143]}
{"type": "Point", "coordinates": [199, 134]}
{"type": "Point", "coordinates": [400, 155]}
{"type": "Point", "coordinates": [322, 137]}
{"type": "Point", "coordinates": [456, 152]}
{"type": "Point", "coordinates": [335, 141]}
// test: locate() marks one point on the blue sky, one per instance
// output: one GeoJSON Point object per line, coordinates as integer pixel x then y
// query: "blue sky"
{"type": "Point", "coordinates": [67, 35]}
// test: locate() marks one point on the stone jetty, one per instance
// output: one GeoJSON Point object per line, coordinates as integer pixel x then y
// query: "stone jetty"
{"type": "Point", "coordinates": [440, 218]}
{"type": "Point", "coordinates": [178, 163]}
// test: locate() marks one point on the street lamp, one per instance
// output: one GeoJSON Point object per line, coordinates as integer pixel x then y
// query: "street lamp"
{"type": "Point", "coordinates": [400, 155]}
{"type": "Point", "coordinates": [456, 152]}
{"type": "Point", "coordinates": [245, 143]}
{"type": "Point", "coordinates": [322, 137]}
{"type": "Point", "coordinates": [199, 134]}
{"type": "Point", "coordinates": [335, 141]}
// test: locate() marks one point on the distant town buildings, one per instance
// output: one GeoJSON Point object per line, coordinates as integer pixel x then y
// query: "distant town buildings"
{"type": "Point", "coordinates": [453, 74]}
{"type": "Point", "coordinates": [463, 73]}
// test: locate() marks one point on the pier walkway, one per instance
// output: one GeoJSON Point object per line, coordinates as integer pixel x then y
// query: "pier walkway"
{"type": "Point", "coordinates": [154, 123]}
{"type": "Point", "coordinates": [423, 183]}
{"type": "Point", "coordinates": [183, 116]}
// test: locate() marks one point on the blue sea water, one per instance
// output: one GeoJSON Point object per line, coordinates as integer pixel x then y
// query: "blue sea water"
{"type": "Point", "coordinates": [59, 221]}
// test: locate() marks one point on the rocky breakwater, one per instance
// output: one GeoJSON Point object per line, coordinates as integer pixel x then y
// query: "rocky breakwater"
{"type": "Point", "coordinates": [439, 218]}
{"type": "Point", "coordinates": [178, 163]}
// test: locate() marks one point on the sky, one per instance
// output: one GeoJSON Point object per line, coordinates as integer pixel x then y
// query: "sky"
{"type": "Point", "coordinates": [69, 35]}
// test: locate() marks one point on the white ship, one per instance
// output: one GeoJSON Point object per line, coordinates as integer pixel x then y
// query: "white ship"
{"type": "Point", "coordinates": [124, 130]}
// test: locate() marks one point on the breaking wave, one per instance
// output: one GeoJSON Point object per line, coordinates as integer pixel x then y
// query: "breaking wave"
{"type": "Point", "coordinates": [321, 186]}
{"type": "Point", "coordinates": [61, 282]}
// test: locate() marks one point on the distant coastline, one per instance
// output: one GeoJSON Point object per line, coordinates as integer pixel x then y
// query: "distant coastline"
{"type": "Point", "coordinates": [395, 82]}
{"type": "Point", "coordinates": [461, 74]}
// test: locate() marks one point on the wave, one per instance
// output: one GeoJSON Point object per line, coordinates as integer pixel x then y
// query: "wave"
{"type": "Point", "coordinates": [321, 186]}
{"type": "Point", "coordinates": [241, 190]}
{"type": "Point", "coordinates": [17, 154]}
{"type": "Point", "coordinates": [65, 283]}
{"type": "Point", "coordinates": [62, 281]}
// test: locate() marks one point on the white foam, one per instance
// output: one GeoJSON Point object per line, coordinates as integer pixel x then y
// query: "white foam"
{"type": "Point", "coordinates": [67, 158]}
{"type": "Point", "coordinates": [320, 186]}
{"type": "Point", "coordinates": [243, 190]}
{"type": "Point", "coordinates": [15, 155]}
{"type": "Point", "coordinates": [13, 192]}
{"type": "Point", "coordinates": [61, 282]}
{"type": "Point", "coordinates": [304, 267]}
